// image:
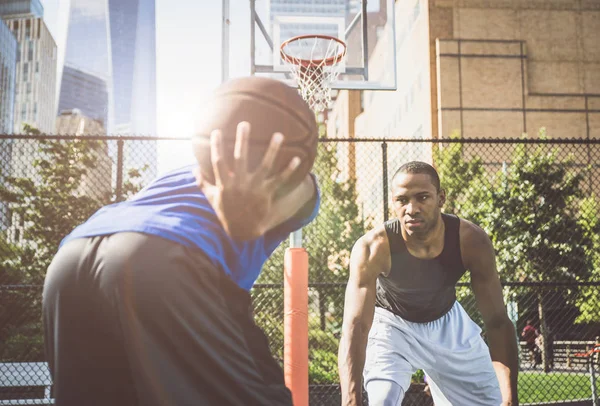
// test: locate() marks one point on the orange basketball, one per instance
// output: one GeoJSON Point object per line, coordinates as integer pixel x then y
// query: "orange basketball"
{"type": "Point", "coordinates": [269, 106]}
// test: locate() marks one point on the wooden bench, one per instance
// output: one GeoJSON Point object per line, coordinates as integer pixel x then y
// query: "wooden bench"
{"type": "Point", "coordinates": [26, 375]}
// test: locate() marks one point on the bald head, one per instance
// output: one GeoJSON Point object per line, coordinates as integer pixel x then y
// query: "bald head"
{"type": "Point", "coordinates": [418, 167]}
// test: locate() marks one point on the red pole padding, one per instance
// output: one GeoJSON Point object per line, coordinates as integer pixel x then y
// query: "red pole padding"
{"type": "Point", "coordinates": [295, 352]}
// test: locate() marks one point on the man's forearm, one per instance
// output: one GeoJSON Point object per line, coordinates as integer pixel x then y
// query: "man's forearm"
{"type": "Point", "coordinates": [351, 361]}
{"type": "Point", "coordinates": [504, 353]}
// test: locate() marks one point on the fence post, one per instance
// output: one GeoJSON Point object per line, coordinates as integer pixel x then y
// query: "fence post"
{"type": "Point", "coordinates": [386, 209]}
{"type": "Point", "coordinates": [568, 355]}
{"type": "Point", "coordinates": [119, 191]}
{"type": "Point", "coordinates": [597, 347]}
{"type": "Point", "coordinates": [593, 380]}
{"type": "Point", "coordinates": [295, 307]}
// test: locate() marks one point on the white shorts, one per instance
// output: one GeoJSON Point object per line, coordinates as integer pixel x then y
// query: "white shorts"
{"type": "Point", "coordinates": [450, 350]}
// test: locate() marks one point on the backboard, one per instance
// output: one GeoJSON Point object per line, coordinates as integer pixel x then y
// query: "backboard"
{"type": "Point", "coordinates": [367, 28]}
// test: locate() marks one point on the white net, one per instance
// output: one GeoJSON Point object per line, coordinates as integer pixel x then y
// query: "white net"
{"type": "Point", "coordinates": [314, 62]}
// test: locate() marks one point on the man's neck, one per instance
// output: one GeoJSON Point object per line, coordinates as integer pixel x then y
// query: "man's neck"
{"type": "Point", "coordinates": [427, 242]}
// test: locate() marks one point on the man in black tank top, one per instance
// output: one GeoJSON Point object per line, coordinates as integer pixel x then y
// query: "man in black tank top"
{"type": "Point", "coordinates": [401, 312]}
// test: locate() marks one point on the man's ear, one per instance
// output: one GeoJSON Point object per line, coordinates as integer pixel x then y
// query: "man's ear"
{"type": "Point", "coordinates": [441, 198]}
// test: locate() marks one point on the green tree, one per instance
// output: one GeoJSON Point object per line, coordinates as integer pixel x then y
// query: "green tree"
{"type": "Point", "coordinates": [49, 205]}
{"type": "Point", "coordinates": [587, 302]}
{"type": "Point", "coordinates": [541, 227]}
{"type": "Point", "coordinates": [467, 188]}
{"type": "Point", "coordinates": [533, 222]}
{"type": "Point", "coordinates": [20, 325]}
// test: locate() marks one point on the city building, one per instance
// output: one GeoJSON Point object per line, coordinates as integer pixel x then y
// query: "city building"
{"type": "Point", "coordinates": [479, 69]}
{"type": "Point", "coordinates": [35, 78]}
{"type": "Point", "coordinates": [8, 63]}
{"type": "Point", "coordinates": [309, 9]}
{"type": "Point", "coordinates": [85, 90]}
{"type": "Point", "coordinates": [21, 8]}
{"type": "Point", "coordinates": [115, 42]}
{"type": "Point", "coordinates": [97, 183]}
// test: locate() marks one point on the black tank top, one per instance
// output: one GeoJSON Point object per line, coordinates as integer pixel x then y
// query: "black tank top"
{"type": "Point", "coordinates": [421, 290]}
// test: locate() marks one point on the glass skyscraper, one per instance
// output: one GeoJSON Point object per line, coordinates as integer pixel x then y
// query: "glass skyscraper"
{"type": "Point", "coordinates": [35, 77]}
{"type": "Point", "coordinates": [8, 63]}
{"type": "Point", "coordinates": [87, 53]}
{"type": "Point", "coordinates": [115, 41]}
{"type": "Point", "coordinates": [27, 85]}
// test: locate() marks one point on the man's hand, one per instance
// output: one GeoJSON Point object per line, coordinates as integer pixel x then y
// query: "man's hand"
{"type": "Point", "coordinates": [243, 199]}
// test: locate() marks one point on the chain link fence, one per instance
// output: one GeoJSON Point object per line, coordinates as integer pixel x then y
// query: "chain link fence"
{"type": "Point", "coordinates": [537, 198]}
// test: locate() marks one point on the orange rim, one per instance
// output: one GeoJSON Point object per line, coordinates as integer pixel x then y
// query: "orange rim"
{"type": "Point", "coordinates": [332, 60]}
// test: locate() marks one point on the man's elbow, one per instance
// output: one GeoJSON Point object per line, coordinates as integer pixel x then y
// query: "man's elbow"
{"type": "Point", "coordinates": [499, 322]}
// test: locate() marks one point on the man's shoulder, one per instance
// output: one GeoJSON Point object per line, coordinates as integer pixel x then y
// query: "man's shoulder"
{"type": "Point", "coordinates": [374, 243]}
{"type": "Point", "coordinates": [181, 178]}
{"type": "Point", "coordinates": [475, 243]}
{"type": "Point", "coordinates": [471, 233]}
{"type": "Point", "coordinates": [375, 237]}
{"type": "Point", "coordinates": [182, 173]}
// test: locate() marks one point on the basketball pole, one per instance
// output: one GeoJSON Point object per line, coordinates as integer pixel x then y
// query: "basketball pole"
{"type": "Point", "coordinates": [295, 346]}
{"type": "Point", "coordinates": [225, 42]}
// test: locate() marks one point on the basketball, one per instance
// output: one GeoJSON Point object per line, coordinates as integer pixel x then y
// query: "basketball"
{"type": "Point", "coordinates": [269, 106]}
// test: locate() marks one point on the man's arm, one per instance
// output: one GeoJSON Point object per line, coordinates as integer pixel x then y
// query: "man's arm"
{"type": "Point", "coordinates": [359, 307]}
{"type": "Point", "coordinates": [479, 258]}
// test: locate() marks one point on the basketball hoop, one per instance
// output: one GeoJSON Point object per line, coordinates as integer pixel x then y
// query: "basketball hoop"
{"type": "Point", "coordinates": [314, 61]}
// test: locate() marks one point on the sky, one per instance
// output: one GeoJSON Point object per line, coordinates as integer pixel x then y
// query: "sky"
{"type": "Point", "coordinates": [188, 60]}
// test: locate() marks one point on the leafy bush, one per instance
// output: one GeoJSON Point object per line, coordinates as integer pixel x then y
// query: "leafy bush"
{"type": "Point", "coordinates": [322, 367]}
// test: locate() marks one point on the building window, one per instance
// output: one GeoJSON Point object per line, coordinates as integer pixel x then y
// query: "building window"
{"type": "Point", "coordinates": [37, 67]}
{"type": "Point", "coordinates": [30, 51]}
{"type": "Point", "coordinates": [25, 68]}
{"type": "Point", "coordinates": [362, 101]}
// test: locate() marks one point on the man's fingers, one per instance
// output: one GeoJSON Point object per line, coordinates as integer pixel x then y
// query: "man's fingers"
{"type": "Point", "coordinates": [271, 154]}
{"type": "Point", "coordinates": [218, 157]}
{"type": "Point", "coordinates": [240, 152]}
{"type": "Point", "coordinates": [198, 175]}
